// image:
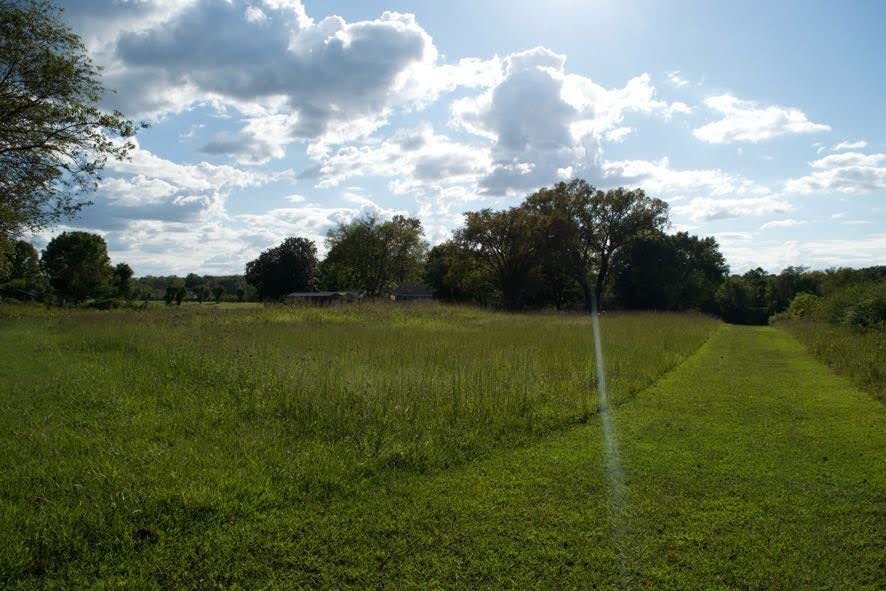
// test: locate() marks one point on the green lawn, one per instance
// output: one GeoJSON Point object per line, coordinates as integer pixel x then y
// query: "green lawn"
{"type": "Point", "coordinates": [204, 450]}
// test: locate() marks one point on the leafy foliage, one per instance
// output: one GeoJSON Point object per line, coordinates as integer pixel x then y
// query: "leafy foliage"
{"type": "Point", "coordinates": [54, 138]}
{"type": "Point", "coordinates": [669, 272]}
{"type": "Point", "coordinates": [374, 256]}
{"type": "Point", "coordinates": [290, 267]}
{"type": "Point", "coordinates": [77, 265]}
{"type": "Point", "coordinates": [122, 281]}
{"type": "Point", "coordinates": [508, 243]}
{"type": "Point", "coordinates": [22, 268]}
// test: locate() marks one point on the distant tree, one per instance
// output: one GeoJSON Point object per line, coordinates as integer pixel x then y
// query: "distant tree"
{"type": "Point", "coordinates": [734, 298]}
{"type": "Point", "coordinates": [373, 255]}
{"type": "Point", "coordinates": [202, 293]}
{"type": "Point", "coordinates": [170, 295]}
{"type": "Point", "coordinates": [741, 298]}
{"type": "Point", "coordinates": [290, 267]}
{"type": "Point", "coordinates": [508, 244]}
{"type": "Point", "coordinates": [54, 137]}
{"type": "Point", "coordinates": [781, 288]}
{"type": "Point", "coordinates": [217, 293]}
{"type": "Point", "coordinates": [122, 281]}
{"type": "Point", "coordinates": [22, 265]}
{"type": "Point", "coordinates": [456, 274]}
{"type": "Point", "coordinates": [193, 281]}
{"type": "Point", "coordinates": [669, 272]}
{"type": "Point", "coordinates": [77, 265]}
{"type": "Point", "coordinates": [180, 294]}
{"type": "Point", "coordinates": [241, 294]}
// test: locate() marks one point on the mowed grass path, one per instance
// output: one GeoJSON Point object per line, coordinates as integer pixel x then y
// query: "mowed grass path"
{"type": "Point", "coordinates": [749, 467]}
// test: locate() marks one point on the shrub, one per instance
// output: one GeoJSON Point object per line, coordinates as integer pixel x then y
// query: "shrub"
{"type": "Point", "coordinates": [804, 305]}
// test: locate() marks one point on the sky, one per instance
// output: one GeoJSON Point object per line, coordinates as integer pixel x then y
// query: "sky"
{"type": "Point", "coordinates": [760, 123]}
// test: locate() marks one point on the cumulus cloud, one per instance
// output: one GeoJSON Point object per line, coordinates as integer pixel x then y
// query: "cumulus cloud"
{"type": "Point", "coordinates": [411, 157]}
{"type": "Point", "coordinates": [657, 177]}
{"type": "Point", "coordinates": [705, 209]}
{"type": "Point", "coordinates": [151, 188]}
{"type": "Point", "coordinates": [293, 78]}
{"type": "Point", "coordinates": [217, 243]}
{"type": "Point", "coordinates": [748, 121]}
{"type": "Point", "coordinates": [544, 122]}
{"type": "Point", "coordinates": [843, 172]}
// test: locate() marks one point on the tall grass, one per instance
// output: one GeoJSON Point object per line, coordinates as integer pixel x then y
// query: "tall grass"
{"type": "Point", "coordinates": [116, 425]}
{"type": "Point", "coordinates": [858, 354]}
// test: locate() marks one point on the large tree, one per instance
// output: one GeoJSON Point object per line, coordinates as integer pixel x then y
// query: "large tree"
{"type": "Point", "coordinates": [290, 267]}
{"type": "Point", "coordinates": [54, 137]}
{"type": "Point", "coordinates": [568, 251]}
{"type": "Point", "coordinates": [77, 265]}
{"type": "Point", "coordinates": [373, 255]}
{"type": "Point", "coordinates": [583, 228]}
{"type": "Point", "coordinates": [621, 216]}
{"type": "Point", "coordinates": [508, 242]}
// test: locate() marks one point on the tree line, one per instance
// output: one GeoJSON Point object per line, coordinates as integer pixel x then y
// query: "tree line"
{"type": "Point", "coordinates": [565, 247]}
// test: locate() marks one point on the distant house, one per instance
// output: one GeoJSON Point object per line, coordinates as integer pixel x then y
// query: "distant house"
{"type": "Point", "coordinates": [322, 297]}
{"type": "Point", "coordinates": [410, 292]}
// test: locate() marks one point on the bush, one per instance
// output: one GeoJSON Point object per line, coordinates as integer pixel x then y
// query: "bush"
{"type": "Point", "coordinates": [860, 305]}
{"type": "Point", "coordinates": [804, 305]}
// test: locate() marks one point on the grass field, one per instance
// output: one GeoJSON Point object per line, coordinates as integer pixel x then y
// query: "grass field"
{"type": "Point", "coordinates": [427, 447]}
{"type": "Point", "coordinates": [859, 355]}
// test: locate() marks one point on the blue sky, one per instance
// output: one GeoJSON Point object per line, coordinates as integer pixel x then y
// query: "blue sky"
{"type": "Point", "coordinates": [760, 123]}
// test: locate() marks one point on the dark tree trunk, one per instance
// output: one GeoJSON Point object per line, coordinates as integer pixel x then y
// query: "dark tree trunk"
{"type": "Point", "coordinates": [587, 293]}
{"type": "Point", "coordinates": [601, 279]}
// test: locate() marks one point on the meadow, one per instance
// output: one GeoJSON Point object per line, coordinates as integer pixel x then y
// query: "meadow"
{"type": "Point", "coordinates": [428, 447]}
{"type": "Point", "coordinates": [131, 434]}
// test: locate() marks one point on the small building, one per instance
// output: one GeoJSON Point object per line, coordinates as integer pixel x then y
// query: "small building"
{"type": "Point", "coordinates": [411, 292]}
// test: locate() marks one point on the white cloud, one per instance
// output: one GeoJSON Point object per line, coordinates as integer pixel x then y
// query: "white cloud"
{"type": "Point", "coordinates": [658, 177]}
{"type": "Point", "coordinates": [676, 79]}
{"type": "Point", "coordinates": [702, 209]}
{"type": "Point", "coordinates": [788, 223]}
{"type": "Point", "coordinates": [411, 157]}
{"type": "Point", "coordinates": [750, 122]}
{"type": "Point", "coordinates": [150, 188]}
{"type": "Point", "coordinates": [292, 78]}
{"type": "Point", "coordinates": [847, 145]}
{"type": "Point", "coordinates": [542, 120]}
{"type": "Point", "coordinates": [745, 253]}
{"type": "Point", "coordinates": [844, 172]}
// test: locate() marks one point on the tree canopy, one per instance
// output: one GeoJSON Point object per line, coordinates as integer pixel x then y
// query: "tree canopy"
{"type": "Point", "coordinates": [54, 137]}
{"type": "Point", "coordinates": [77, 265]}
{"type": "Point", "coordinates": [560, 240]}
{"type": "Point", "coordinates": [290, 267]}
{"type": "Point", "coordinates": [373, 255]}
